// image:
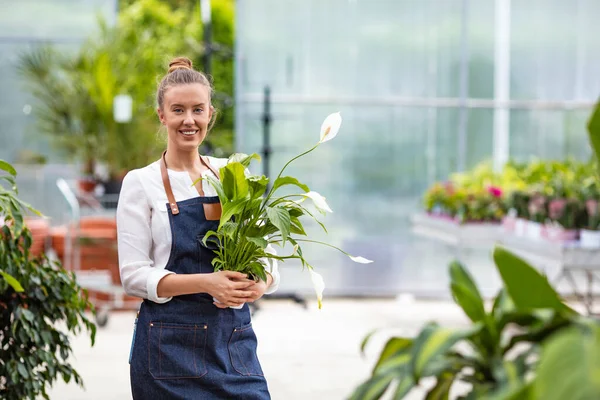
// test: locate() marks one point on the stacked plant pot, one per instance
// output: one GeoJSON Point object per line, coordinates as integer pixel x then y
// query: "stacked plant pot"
{"type": "Point", "coordinates": [40, 232]}
{"type": "Point", "coordinates": [97, 238]}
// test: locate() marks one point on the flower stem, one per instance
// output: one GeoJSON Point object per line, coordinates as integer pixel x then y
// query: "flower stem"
{"type": "Point", "coordinates": [286, 165]}
{"type": "Point", "coordinates": [323, 243]}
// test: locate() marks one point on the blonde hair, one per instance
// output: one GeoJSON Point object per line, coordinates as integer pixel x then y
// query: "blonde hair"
{"type": "Point", "coordinates": [181, 72]}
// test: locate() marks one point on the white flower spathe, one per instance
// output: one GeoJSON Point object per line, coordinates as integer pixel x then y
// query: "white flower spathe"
{"type": "Point", "coordinates": [318, 284]}
{"type": "Point", "coordinates": [360, 260]}
{"type": "Point", "coordinates": [318, 200]}
{"type": "Point", "coordinates": [330, 127]}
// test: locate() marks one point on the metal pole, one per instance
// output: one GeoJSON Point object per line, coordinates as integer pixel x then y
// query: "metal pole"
{"type": "Point", "coordinates": [502, 84]}
{"type": "Point", "coordinates": [266, 120]}
{"type": "Point", "coordinates": [463, 87]}
{"type": "Point", "coordinates": [206, 15]}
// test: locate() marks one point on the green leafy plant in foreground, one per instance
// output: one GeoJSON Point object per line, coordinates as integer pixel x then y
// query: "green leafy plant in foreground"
{"type": "Point", "coordinates": [40, 304]}
{"type": "Point", "coordinates": [254, 217]}
{"type": "Point", "coordinates": [528, 345]}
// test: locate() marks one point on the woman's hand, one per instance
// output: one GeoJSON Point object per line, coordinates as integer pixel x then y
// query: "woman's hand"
{"type": "Point", "coordinates": [254, 292]}
{"type": "Point", "coordinates": [230, 288]}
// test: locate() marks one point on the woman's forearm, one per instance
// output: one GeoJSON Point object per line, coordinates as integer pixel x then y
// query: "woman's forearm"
{"type": "Point", "coordinates": [180, 284]}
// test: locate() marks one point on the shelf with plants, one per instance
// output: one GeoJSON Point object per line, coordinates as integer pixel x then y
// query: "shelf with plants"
{"type": "Point", "coordinates": [553, 201]}
{"type": "Point", "coordinates": [540, 200]}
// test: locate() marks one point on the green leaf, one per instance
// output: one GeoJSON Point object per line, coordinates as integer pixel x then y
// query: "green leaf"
{"type": "Point", "coordinates": [522, 391]}
{"type": "Point", "coordinates": [594, 131]}
{"type": "Point", "coordinates": [465, 292]}
{"type": "Point", "coordinates": [280, 217]}
{"type": "Point", "coordinates": [441, 390]}
{"type": "Point", "coordinates": [258, 269]}
{"type": "Point", "coordinates": [229, 228]}
{"type": "Point", "coordinates": [296, 227]}
{"type": "Point", "coordinates": [28, 315]}
{"type": "Point", "coordinates": [218, 186]}
{"type": "Point", "coordinates": [503, 305]}
{"type": "Point", "coordinates": [289, 180]}
{"type": "Point", "coordinates": [12, 282]}
{"type": "Point", "coordinates": [295, 212]}
{"type": "Point", "coordinates": [257, 185]}
{"type": "Point", "coordinates": [569, 366]}
{"type": "Point", "coordinates": [373, 388]}
{"type": "Point", "coordinates": [393, 347]}
{"type": "Point", "coordinates": [23, 371]}
{"type": "Point", "coordinates": [8, 168]}
{"type": "Point", "coordinates": [230, 209]}
{"type": "Point", "coordinates": [259, 241]}
{"type": "Point", "coordinates": [234, 181]}
{"type": "Point", "coordinates": [433, 341]}
{"type": "Point", "coordinates": [526, 286]}
{"type": "Point", "coordinates": [404, 386]}
{"type": "Point", "coordinates": [366, 339]}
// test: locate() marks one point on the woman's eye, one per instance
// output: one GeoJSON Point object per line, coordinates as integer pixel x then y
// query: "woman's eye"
{"type": "Point", "coordinates": [198, 110]}
{"type": "Point", "coordinates": [178, 110]}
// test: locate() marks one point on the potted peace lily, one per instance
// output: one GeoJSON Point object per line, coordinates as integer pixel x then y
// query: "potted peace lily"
{"type": "Point", "coordinates": [255, 217]}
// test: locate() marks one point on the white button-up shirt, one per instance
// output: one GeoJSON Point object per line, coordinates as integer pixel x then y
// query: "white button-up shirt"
{"type": "Point", "coordinates": [144, 232]}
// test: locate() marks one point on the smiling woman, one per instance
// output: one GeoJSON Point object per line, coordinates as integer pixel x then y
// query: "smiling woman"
{"type": "Point", "coordinates": [194, 322]}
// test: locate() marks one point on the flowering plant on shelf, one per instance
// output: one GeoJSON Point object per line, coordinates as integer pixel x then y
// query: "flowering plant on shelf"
{"type": "Point", "coordinates": [254, 217]}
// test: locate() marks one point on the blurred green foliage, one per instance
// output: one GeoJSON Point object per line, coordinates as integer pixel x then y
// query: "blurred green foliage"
{"type": "Point", "coordinates": [76, 91]}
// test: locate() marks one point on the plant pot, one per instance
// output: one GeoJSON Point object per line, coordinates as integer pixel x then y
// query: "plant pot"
{"type": "Point", "coordinates": [533, 230]}
{"type": "Point", "coordinates": [236, 307]}
{"type": "Point", "coordinates": [86, 185]}
{"type": "Point", "coordinates": [589, 239]}
{"type": "Point", "coordinates": [556, 233]}
{"type": "Point", "coordinates": [520, 227]}
{"type": "Point", "coordinates": [509, 224]}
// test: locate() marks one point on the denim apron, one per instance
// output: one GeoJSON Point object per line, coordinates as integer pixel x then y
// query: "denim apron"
{"type": "Point", "coordinates": [188, 348]}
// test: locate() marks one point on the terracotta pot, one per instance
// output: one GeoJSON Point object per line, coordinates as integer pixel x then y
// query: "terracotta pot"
{"type": "Point", "coordinates": [86, 185]}
{"type": "Point", "coordinates": [40, 231]}
{"type": "Point", "coordinates": [97, 239]}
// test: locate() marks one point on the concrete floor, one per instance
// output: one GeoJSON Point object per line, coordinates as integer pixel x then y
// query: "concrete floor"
{"type": "Point", "coordinates": [305, 354]}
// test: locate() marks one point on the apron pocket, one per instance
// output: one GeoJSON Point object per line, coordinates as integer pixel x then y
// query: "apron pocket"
{"type": "Point", "coordinates": [176, 350]}
{"type": "Point", "coordinates": [242, 351]}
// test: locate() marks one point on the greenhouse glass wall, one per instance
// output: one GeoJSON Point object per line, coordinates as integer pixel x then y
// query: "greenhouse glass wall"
{"type": "Point", "coordinates": [426, 88]}
{"type": "Point", "coordinates": [65, 24]}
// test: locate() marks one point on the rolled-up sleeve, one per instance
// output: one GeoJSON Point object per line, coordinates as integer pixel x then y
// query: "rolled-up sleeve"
{"type": "Point", "coordinates": [134, 237]}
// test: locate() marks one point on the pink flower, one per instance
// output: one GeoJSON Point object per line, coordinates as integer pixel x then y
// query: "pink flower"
{"type": "Point", "coordinates": [495, 191]}
{"type": "Point", "coordinates": [592, 207]}
{"type": "Point", "coordinates": [449, 187]}
{"type": "Point", "coordinates": [556, 208]}
{"type": "Point", "coordinates": [536, 204]}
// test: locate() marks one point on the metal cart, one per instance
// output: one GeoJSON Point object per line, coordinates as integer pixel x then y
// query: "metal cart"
{"type": "Point", "coordinates": [105, 290]}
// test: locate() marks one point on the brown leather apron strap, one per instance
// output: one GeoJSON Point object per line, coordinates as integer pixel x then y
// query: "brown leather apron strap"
{"type": "Point", "coordinates": [167, 184]}
{"type": "Point", "coordinates": [212, 211]}
{"type": "Point", "coordinates": [215, 171]}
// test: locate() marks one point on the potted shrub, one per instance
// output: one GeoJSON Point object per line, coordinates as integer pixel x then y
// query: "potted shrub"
{"type": "Point", "coordinates": [40, 305]}
{"type": "Point", "coordinates": [438, 200]}
{"type": "Point", "coordinates": [563, 216]}
{"type": "Point", "coordinates": [537, 214]}
{"type": "Point", "coordinates": [527, 345]}
{"type": "Point", "coordinates": [519, 202]}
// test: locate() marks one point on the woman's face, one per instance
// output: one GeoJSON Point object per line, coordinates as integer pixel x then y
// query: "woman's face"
{"type": "Point", "coordinates": [186, 113]}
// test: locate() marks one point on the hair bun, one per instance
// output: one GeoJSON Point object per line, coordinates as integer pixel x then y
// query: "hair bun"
{"type": "Point", "coordinates": [180, 63]}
